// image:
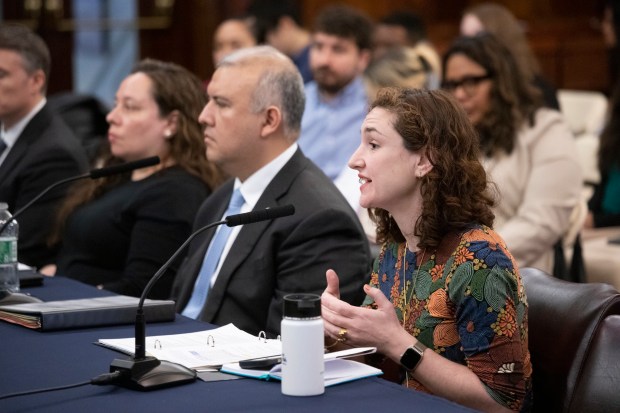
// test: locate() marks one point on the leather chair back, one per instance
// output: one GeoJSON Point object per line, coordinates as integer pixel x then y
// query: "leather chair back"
{"type": "Point", "coordinates": [598, 386]}
{"type": "Point", "coordinates": [563, 318]}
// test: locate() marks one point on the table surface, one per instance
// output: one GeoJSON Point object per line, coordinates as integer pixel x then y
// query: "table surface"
{"type": "Point", "coordinates": [33, 360]}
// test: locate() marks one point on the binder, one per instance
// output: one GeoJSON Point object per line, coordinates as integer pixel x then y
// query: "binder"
{"type": "Point", "coordinates": [85, 312]}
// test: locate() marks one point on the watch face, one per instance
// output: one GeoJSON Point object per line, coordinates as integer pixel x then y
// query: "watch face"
{"type": "Point", "coordinates": [410, 358]}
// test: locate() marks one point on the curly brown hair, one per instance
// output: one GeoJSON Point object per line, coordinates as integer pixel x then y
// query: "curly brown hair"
{"type": "Point", "coordinates": [455, 193]}
{"type": "Point", "coordinates": [514, 100]}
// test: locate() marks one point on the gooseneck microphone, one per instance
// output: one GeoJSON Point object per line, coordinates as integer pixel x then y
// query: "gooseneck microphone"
{"type": "Point", "coordinates": [94, 174]}
{"type": "Point", "coordinates": [147, 373]}
{"type": "Point", "coordinates": [123, 167]}
{"type": "Point", "coordinates": [7, 297]}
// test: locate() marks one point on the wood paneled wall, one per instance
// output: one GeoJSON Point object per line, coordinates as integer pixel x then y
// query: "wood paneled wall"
{"type": "Point", "coordinates": [564, 34]}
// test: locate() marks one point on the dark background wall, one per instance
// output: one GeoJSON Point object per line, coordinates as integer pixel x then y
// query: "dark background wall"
{"type": "Point", "coordinates": [565, 35]}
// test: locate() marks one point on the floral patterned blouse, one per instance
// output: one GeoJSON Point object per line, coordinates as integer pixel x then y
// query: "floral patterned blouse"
{"type": "Point", "coordinates": [465, 301]}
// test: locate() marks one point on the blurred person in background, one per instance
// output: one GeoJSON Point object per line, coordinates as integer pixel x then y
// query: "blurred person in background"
{"type": "Point", "coordinates": [406, 29]}
{"type": "Point", "coordinates": [528, 150]}
{"type": "Point", "coordinates": [499, 21]}
{"type": "Point", "coordinates": [336, 99]}
{"type": "Point", "coordinates": [37, 149]}
{"type": "Point", "coordinates": [233, 34]}
{"type": "Point", "coordinates": [279, 24]}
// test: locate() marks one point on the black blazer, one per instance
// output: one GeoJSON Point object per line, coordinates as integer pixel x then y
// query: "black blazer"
{"type": "Point", "coordinates": [287, 255]}
{"type": "Point", "coordinates": [45, 152]}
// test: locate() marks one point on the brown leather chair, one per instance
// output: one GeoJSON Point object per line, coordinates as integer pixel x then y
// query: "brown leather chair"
{"type": "Point", "coordinates": [598, 385]}
{"type": "Point", "coordinates": [563, 319]}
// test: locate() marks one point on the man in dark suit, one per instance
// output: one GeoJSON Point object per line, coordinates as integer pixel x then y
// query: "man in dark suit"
{"type": "Point", "coordinates": [252, 122]}
{"type": "Point", "coordinates": [36, 147]}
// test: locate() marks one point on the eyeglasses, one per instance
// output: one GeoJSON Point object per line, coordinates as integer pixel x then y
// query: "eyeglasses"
{"type": "Point", "coordinates": [468, 83]}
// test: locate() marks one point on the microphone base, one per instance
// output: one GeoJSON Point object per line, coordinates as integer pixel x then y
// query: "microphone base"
{"type": "Point", "coordinates": [151, 373]}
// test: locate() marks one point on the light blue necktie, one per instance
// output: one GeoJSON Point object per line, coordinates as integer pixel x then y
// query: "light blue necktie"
{"type": "Point", "coordinates": [209, 264]}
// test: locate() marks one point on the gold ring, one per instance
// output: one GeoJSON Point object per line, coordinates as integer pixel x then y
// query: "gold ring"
{"type": "Point", "coordinates": [342, 332]}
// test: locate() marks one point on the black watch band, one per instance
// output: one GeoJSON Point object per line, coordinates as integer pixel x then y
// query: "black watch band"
{"type": "Point", "coordinates": [412, 357]}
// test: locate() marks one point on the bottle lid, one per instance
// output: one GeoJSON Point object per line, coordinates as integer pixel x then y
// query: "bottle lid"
{"type": "Point", "coordinates": [302, 305]}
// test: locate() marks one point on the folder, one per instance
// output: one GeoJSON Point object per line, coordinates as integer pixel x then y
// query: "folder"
{"type": "Point", "coordinates": [85, 312]}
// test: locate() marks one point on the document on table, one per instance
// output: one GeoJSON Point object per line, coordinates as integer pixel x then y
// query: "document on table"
{"type": "Point", "coordinates": [337, 370]}
{"type": "Point", "coordinates": [204, 350]}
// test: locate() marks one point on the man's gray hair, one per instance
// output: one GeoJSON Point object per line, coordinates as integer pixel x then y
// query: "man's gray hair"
{"type": "Point", "coordinates": [279, 85]}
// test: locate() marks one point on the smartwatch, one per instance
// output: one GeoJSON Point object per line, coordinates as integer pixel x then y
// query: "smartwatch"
{"type": "Point", "coordinates": [412, 356]}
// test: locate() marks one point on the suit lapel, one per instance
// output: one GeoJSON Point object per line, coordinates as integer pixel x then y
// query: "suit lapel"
{"type": "Point", "coordinates": [31, 132]}
{"type": "Point", "coordinates": [12, 159]}
{"type": "Point", "coordinates": [248, 236]}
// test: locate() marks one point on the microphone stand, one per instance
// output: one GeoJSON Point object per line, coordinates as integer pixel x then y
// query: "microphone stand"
{"type": "Point", "coordinates": [93, 174]}
{"type": "Point", "coordinates": [36, 198]}
{"type": "Point", "coordinates": [146, 373]}
{"type": "Point", "coordinates": [9, 298]}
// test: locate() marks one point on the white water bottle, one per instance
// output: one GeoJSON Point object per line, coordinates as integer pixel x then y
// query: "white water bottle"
{"type": "Point", "coordinates": [9, 280]}
{"type": "Point", "coordinates": [303, 364]}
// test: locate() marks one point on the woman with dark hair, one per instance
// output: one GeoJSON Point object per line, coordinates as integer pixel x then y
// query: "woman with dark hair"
{"type": "Point", "coordinates": [499, 21]}
{"type": "Point", "coordinates": [445, 299]}
{"type": "Point", "coordinates": [528, 150]}
{"type": "Point", "coordinates": [117, 231]}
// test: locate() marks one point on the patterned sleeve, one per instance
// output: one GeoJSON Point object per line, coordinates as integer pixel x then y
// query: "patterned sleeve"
{"type": "Point", "coordinates": [490, 315]}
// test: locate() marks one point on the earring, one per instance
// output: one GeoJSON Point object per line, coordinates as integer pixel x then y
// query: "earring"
{"type": "Point", "coordinates": [167, 133]}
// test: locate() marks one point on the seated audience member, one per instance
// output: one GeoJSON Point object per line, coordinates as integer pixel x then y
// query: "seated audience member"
{"type": "Point", "coordinates": [336, 101]}
{"type": "Point", "coordinates": [445, 299]}
{"type": "Point", "coordinates": [399, 67]}
{"type": "Point", "coordinates": [405, 29]}
{"type": "Point", "coordinates": [37, 149]}
{"type": "Point", "coordinates": [500, 22]}
{"type": "Point", "coordinates": [117, 231]}
{"type": "Point", "coordinates": [528, 150]}
{"type": "Point", "coordinates": [233, 34]}
{"type": "Point", "coordinates": [240, 275]}
{"type": "Point", "coordinates": [280, 25]}
{"type": "Point", "coordinates": [604, 205]}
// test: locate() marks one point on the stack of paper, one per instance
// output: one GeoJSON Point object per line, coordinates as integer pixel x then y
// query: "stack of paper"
{"type": "Point", "coordinates": [337, 370]}
{"type": "Point", "coordinates": [204, 350]}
